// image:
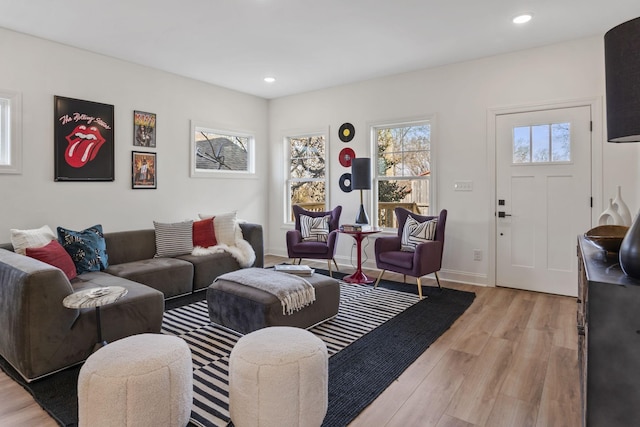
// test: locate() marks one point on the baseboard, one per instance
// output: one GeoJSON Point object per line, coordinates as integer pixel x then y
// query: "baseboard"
{"type": "Point", "coordinates": [465, 277]}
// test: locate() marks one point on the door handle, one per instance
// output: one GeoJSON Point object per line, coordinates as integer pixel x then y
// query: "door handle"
{"type": "Point", "coordinates": [502, 214]}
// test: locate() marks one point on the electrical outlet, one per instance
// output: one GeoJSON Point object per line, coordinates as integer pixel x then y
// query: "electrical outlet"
{"type": "Point", "coordinates": [477, 255]}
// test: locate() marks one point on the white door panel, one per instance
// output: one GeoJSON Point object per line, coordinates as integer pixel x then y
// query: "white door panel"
{"type": "Point", "coordinates": [546, 189]}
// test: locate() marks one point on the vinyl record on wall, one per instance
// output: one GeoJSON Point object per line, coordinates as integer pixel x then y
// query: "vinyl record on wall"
{"type": "Point", "coordinates": [346, 132]}
{"type": "Point", "coordinates": [345, 157]}
{"type": "Point", "coordinates": [345, 182]}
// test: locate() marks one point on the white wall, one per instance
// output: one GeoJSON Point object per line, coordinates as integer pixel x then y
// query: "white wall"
{"type": "Point", "coordinates": [460, 96]}
{"type": "Point", "coordinates": [40, 69]}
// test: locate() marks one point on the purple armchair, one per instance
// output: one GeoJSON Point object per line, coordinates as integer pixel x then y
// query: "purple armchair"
{"type": "Point", "coordinates": [426, 259]}
{"type": "Point", "coordinates": [299, 248]}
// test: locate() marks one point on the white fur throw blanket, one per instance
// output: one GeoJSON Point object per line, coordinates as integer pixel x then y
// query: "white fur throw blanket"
{"type": "Point", "coordinates": [294, 292]}
{"type": "Point", "coordinates": [241, 251]}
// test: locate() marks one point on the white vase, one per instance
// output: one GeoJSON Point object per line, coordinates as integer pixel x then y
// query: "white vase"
{"type": "Point", "coordinates": [610, 216]}
{"type": "Point", "coordinates": [622, 209]}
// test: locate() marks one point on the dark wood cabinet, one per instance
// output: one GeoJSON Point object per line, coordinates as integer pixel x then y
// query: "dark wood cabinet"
{"type": "Point", "coordinates": [608, 319]}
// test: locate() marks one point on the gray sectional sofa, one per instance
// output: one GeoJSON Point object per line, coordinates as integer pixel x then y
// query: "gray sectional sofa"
{"type": "Point", "coordinates": [39, 336]}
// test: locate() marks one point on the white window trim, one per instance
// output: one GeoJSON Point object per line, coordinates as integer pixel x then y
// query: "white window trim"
{"type": "Point", "coordinates": [251, 161]}
{"type": "Point", "coordinates": [14, 137]}
{"type": "Point", "coordinates": [287, 188]}
{"type": "Point", "coordinates": [373, 204]}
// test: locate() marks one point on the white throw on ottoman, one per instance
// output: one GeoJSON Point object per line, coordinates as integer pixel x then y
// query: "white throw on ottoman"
{"type": "Point", "coordinates": [278, 376]}
{"type": "Point", "coordinates": [141, 380]}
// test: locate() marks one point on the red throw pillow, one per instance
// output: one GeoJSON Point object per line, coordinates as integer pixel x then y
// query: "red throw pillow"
{"type": "Point", "coordinates": [204, 234]}
{"type": "Point", "coordinates": [54, 254]}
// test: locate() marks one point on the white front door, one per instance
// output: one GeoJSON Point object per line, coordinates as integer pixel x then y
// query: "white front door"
{"type": "Point", "coordinates": [543, 192]}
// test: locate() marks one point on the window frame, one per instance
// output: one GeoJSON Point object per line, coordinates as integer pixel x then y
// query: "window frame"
{"type": "Point", "coordinates": [531, 161]}
{"type": "Point", "coordinates": [250, 172]}
{"type": "Point", "coordinates": [432, 178]}
{"type": "Point", "coordinates": [11, 139]}
{"type": "Point", "coordinates": [287, 207]}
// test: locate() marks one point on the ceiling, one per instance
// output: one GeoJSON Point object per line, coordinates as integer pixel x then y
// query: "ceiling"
{"type": "Point", "coordinates": [307, 44]}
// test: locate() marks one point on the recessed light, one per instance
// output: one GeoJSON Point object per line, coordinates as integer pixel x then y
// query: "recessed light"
{"type": "Point", "coordinates": [522, 19]}
{"type": "Point", "coordinates": [269, 79]}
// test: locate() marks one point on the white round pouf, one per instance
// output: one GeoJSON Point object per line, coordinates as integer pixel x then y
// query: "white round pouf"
{"type": "Point", "coordinates": [141, 380]}
{"type": "Point", "coordinates": [278, 376]}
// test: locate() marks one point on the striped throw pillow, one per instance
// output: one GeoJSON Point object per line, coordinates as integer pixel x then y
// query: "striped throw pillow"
{"type": "Point", "coordinates": [173, 239]}
{"type": "Point", "coordinates": [415, 232]}
{"type": "Point", "coordinates": [314, 229]}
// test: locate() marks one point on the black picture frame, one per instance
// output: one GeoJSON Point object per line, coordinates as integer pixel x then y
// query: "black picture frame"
{"type": "Point", "coordinates": [83, 140]}
{"type": "Point", "coordinates": [144, 170]}
{"type": "Point", "coordinates": [144, 129]}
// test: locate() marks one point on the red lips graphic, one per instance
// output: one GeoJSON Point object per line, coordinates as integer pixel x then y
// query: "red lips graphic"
{"type": "Point", "coordinates": [83, 147]}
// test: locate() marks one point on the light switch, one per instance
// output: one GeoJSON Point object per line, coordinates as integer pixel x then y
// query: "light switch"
{"type": "Point", "coordinates": [463, 185]}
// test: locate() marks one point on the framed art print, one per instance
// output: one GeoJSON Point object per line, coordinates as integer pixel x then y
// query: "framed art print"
{"type": "Point", "coordinates": [144, 171]}
{"type": "Point", "coordinates": [144, 129]}
{"type": "Point", "coordinates": [83, 140]}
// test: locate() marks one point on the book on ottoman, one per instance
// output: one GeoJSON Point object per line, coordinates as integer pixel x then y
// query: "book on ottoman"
{"type": "Point", "coordinates": [300, 270]}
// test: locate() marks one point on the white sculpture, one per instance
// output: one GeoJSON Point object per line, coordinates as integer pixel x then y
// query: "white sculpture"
{"type": "Point", "coordinates": [610, 216]}
{"type": "Point", "coordinates": [622, 209]}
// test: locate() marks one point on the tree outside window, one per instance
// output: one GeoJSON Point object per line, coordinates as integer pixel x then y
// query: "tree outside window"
{"type": "Point", "coordinates": [404, 169]}
{"type": "Point", "coordinates": [544, 143]}
{"type": "Point", "coordinates": [307, 183]}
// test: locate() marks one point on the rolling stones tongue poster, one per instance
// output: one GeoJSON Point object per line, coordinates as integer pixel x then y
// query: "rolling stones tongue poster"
{"type": "Point", "coordinates": [84, 145]}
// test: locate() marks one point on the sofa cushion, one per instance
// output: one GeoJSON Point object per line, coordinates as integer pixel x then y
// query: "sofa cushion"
{"type": "Point", "coordinates": [400, 259]}
{"type": "Point", "coordinates": [132, 245]}
{"type": "Point", "coordinates": [54, 254]}
{"type": "Point", "coordinates": [87, 248]}
{"type": "Point", "coordinates": [171, 276]}
{"type": "Point", "coordinates": [33, 238]}
{"type": "Point", "coordinates": [311, 248]}
{"type": "Point", "coordinates": [173, 239]}
{"type": "Point", "coordinates": [206, 268]}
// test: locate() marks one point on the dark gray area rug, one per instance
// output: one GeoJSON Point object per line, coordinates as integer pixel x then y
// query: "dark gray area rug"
{"type": "Point", "coordinates": [358, 373]}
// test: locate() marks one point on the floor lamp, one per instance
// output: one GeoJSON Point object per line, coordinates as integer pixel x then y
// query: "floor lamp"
{"type": "Point", "coordinates": [361, 180]}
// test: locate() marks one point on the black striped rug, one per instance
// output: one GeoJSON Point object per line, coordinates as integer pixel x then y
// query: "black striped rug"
{"type": "Point", "coordinates": [362, 310]}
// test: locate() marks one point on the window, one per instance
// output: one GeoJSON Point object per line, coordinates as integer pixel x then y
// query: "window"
{"type": "Point", "coordinates": [307, 180]}
{"type": "Point", "coordinates": [546, 143]}
{"type": "Point", "coordinates": [404, 165]}
{"type": "Point", "coordinates": [218, 153]}
{"type": "Point", "coordinates": [10, 132]}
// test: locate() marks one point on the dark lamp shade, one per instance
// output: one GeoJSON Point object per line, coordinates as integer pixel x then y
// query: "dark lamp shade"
{"type": "Point", "coordinates": [622, 68]}
{"type": "Point", "coordinates": [361, 174]}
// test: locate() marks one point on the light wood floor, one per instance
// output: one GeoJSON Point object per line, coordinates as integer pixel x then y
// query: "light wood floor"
{"type": "Point", "coordinates": [510, 360]}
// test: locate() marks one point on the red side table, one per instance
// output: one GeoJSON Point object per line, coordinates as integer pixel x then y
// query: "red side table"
{"type": "Point", "coordinates": [359, 276]}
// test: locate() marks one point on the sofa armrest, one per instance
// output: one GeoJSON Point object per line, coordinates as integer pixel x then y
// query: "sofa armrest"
{"type": "Point", "coordinates": [387, 244]}
{"type": "Point", "coordinates": [252, 233]}
{"type": "Point", "coordinates": [428, 256]}
{"type": "Point", "coordinates": [34, 321]}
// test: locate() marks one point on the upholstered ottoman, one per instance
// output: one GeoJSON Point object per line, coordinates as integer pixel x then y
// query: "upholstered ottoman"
{"type": "Point", "coordinates": [141, 380]}
{"type": "Point", "coordinates": [278, 376]}
{"type": "Point", "coordinates": [246, 309]}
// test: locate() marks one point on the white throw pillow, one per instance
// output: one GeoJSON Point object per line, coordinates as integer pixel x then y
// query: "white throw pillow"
{"type": "Point", "coordinates": [314, 229]}
{"type": "Point", "coordinates": [226, 227]}
{"type": "Point", "coordinates": [415, 232]}
{"type": "Point", "coordinates": [34, 238]}
{"type": "Point", "coordinates": [173, 239]}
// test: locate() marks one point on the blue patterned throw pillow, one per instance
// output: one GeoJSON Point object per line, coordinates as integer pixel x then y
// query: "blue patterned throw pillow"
{"type": "Point", "coordinates": [87, 248]}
